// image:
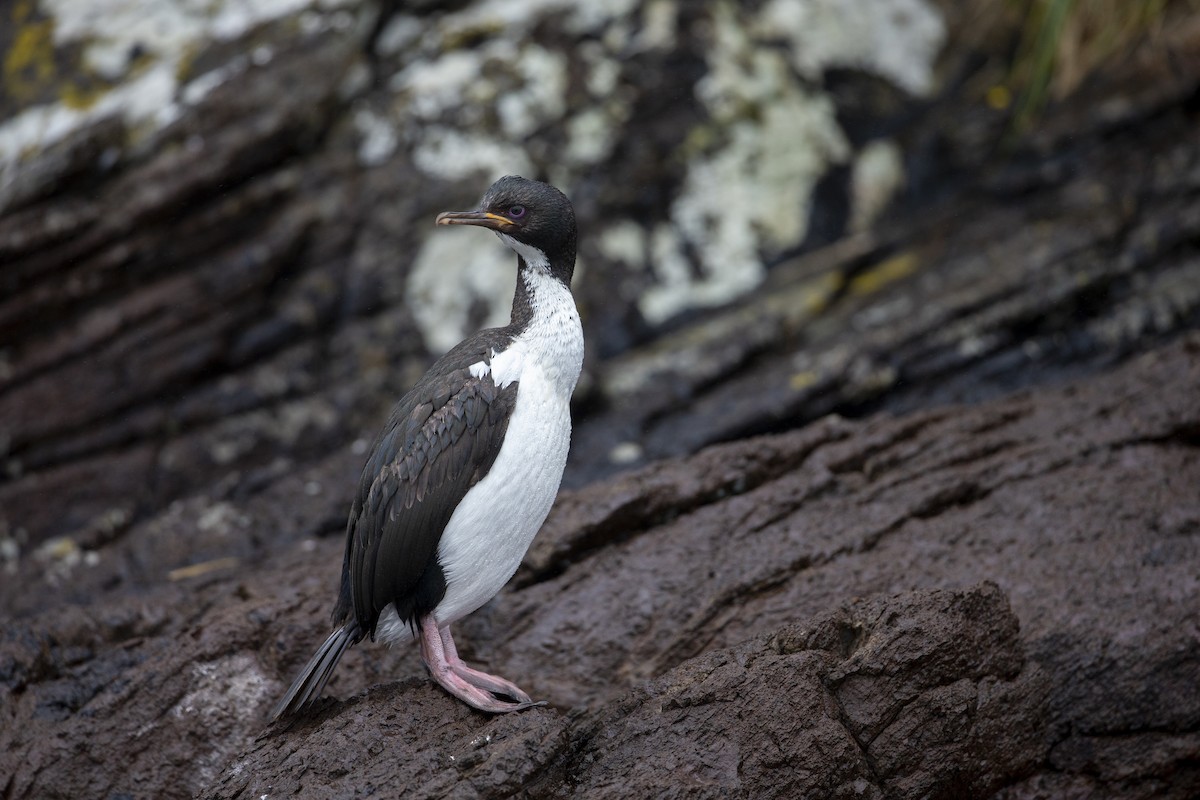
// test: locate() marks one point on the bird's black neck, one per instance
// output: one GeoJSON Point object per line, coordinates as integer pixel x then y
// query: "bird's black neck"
{"type": "Point", "coordinates": [524, 306]}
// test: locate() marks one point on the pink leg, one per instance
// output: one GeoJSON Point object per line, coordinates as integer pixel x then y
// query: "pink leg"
{"type": "Point", "coordinates": [492, 683]}
{"type": "Point", "coordinates": [447, 669]}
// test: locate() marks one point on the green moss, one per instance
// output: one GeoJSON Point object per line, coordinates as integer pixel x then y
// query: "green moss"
{"type": "Point", "coordinates": [80, 95]}
{"type": "Point", "coordinates": [35, 70]}
{"type": "Point", "coordinates": [29, 66]}
{"type": "Point", "coordinates": [185, 67]}
{"type": "Point", "coordinates": [888, 271]}
{"type": "Point", "coordinates": [467, 38]}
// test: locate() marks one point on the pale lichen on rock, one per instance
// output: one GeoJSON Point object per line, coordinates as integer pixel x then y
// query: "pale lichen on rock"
{"type": "Point", "coordinates": [202, 335]}
{"type": "Point", "coordinates": [472, 94]}
{"type": "Point", "coordinates": [770, 139]}
{"type": "Point", "coordinates": [141, 52]}
{"type": "Point", "coordinates": [482, 279]}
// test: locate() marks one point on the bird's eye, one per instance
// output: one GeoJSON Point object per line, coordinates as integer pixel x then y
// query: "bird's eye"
{"type": "Point", "coordinates": [516, 212]}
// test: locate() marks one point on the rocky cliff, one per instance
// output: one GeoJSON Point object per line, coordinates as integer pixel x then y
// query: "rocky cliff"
{"type": "Point", "coordinates": [884, 472]}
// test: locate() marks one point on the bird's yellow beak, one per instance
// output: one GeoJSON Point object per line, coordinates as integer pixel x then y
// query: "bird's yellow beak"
{"type": "Point", "coordinates": [484, 219]}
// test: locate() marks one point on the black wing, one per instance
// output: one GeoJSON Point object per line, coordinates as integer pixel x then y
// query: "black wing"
{"type": "Point", "coordinates": [441, 439]}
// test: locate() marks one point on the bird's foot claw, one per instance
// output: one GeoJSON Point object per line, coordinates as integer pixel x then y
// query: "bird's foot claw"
{"type": "Point", "coordinates": [480, 689]}
{"type": "Point", "coordinates": [497, 706]}
{"type": "Point", "coordinates": [491, 683]}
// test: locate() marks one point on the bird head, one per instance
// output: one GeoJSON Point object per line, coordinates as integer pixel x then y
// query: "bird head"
{"type": "Point", "coordinates": [533, 218]}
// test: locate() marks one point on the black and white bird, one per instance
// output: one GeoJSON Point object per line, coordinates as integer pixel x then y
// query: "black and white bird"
{"type": "Point", "coordinates": [468, 465]}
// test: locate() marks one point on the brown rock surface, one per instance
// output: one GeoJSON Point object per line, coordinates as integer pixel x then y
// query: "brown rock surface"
{"type": "Point", "coordinates": [916, 517]}
{"type": "Point", "coordinates": [678, 620]}
{"type": "Point", "coordinates": [828, 707]}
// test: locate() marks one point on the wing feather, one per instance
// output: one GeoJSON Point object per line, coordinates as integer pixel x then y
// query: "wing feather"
{"type": "Point", "coordinates": [441, 440]}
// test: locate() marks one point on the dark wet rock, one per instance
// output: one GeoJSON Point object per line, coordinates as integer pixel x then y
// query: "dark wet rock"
{"type": "Point", "coordinates": [189, 300]}
{"type": "Point", "coordinates": [914, 516]}
{"type": "Point", "coordinates": [1061, 276]}
{"type": "Point", "coordinates": [832, 706]}
{"type": "Point", "coordinates": [762, 638]}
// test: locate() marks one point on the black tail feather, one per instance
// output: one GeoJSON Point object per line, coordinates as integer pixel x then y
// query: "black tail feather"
{"type": "Point", "coordinates": [312, 679]}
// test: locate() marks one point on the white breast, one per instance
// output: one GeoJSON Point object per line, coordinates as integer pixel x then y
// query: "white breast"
{"type": "Point", "coordinates": [493, 526]}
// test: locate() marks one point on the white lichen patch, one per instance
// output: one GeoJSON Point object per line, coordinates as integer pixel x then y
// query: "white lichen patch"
{"type": "Point", "coordinates": [454, 93]}
{"type": "Point", "coordinates": [517, 19]}
{"type": "Point", "coordinates": [471, 93]}
{"type": "Point", "coordinates": [162, 33]}
{"type": "Point", "coordinates": [603, 71]}
{"type": "Point", "coordinates": [474, 88]}
{"type": "Point", "coordinates": [541, 96]}
{"type": "Point", "coordinates": [454, 155]}
{"type": "Point", "coordinates": [435, 87]}
{"type": "Point", "coordinates": [757, 187]}
{"type": "Point", "coordinates": [233, 685]}
{"type": "Point", "coordinates": [10, 554]}
{"type": "Point", "coordinates": [896, 39]}
{"type": "Point", "coordinates": [624, 241]}
{"type": "Point", "coordinates": [625, 453]}
{"type": "Point", "coordinates": [659, 22]}
{"type": "Point", "coordinates": [223, 695]}
{"type": "Point", "coordinates": [750, 194]}
{"type": "Point", "coordinates": [399, 33]}
{"type": "Point", "coordinates": [147, 100]}
{"type": "Point", "coordinates": [877, 174]}
{"type": "Point", "coordinates": [591, 135]}
{"type": "Point", "coordinates": [222, 519]}
{"type": "Point", "coordinates": [676, 286]}
{"type": "Point", "coordinates": [453, 273]}
{"type": "Point", "coordinates": [747, 192]}
{"type": "Point", "coordinates": [59, 557]}
{"type": "Point", "coordinates": [377, 137]}
{"type": "Point", "coordinates": [482, 102]}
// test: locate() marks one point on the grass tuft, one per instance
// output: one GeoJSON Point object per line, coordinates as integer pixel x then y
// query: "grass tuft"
{"type": "Point", "coordinates": [1063, 41]}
